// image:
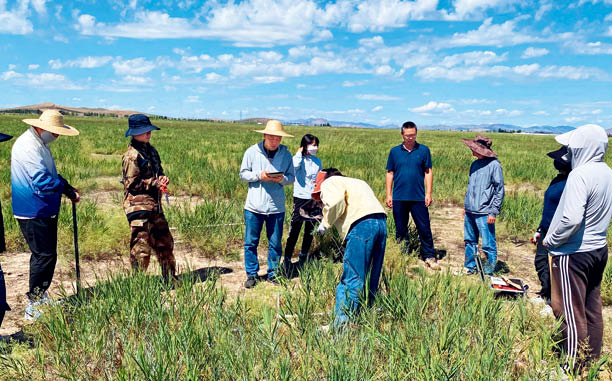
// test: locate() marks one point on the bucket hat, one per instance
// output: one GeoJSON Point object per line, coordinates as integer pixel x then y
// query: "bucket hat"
{"type": "Point", "coordinates": [139, 124]}
{"type": "Point", "coordinates": [481, 145]}
{"type": "Point", "coordinates": [274, 127]}
{"type": "Point", "coordinates": [316, 192]}
{"type": "Point", "coordinates": [52, 121]}
{"type": "Point", "coordinates": [5, 137]}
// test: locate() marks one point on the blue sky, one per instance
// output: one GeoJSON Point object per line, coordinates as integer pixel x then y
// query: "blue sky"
{"type": "Point", "coordinates": [377, 61]}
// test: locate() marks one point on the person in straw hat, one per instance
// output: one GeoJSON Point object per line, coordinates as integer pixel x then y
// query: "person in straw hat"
{"type": "Point", "coordinates": [37, 189]}
{"type": "Point", "coordinates": [483, 202]}
{"type": "Point", "coordinates": [144, 181]}
{"type": "Point", "coordinates": [3, 305]}
{"type": "Point", "coordinates": [267, 166]}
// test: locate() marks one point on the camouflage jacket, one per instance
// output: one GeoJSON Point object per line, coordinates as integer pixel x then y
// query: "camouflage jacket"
{"type": "Point", "coordinates": [141, 170]}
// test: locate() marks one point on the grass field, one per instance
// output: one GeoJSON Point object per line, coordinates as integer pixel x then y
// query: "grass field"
{"type": "Point", "coordinates": [421, 327]}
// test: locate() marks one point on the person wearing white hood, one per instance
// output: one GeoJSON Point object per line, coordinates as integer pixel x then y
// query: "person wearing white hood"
{"type": "Point", "coordinates": [576, 240]}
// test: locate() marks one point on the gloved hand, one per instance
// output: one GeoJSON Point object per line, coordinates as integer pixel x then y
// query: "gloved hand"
{"type": "Point", "coordinates": [321, 229]}
{"type": "Point", "coordinates": [535, 238]}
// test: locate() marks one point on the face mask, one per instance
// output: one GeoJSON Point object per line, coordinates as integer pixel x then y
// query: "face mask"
{"type": "Point", "coordinates": [47, 137]}
{"type": "Point", "coordinates": [312, 150]}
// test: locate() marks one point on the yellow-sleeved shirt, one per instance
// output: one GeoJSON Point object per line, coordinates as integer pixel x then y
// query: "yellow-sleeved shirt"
{"type": "Point", "coordinates": [345, 200]}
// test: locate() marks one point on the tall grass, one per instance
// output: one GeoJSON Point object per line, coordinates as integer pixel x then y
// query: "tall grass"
{"type": "Point", "coordinates": [419, 328]}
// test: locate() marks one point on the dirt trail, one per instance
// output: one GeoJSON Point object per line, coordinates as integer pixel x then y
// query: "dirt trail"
{"type": "Point", "coordinates": [447, 226]}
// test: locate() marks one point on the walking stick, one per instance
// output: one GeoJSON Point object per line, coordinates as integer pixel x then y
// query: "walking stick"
{"type": "Point", "coordinates": [76, 247]}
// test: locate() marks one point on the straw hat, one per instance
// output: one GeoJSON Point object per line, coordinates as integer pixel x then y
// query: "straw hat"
{"type": "Point", "coordinates": [481, 145]}
{"type": "Point", "coordinates": [52, 121]}
{"type": "Point", "coordinates": [274, 127]}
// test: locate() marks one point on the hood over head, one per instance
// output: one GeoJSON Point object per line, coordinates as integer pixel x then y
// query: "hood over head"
{"type": "Point", "coordinates": [585, 144]}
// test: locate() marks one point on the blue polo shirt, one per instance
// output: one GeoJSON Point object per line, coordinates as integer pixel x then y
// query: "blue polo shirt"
{"type": "Point", "coordinates": [408, 169]}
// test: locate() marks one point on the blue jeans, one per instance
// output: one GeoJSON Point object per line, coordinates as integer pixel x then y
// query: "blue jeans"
{"type": "Point", "coordinates": [364, 254]}
{"type": "Point", "coordinates": [420, 215]}
{"type": "Point", "coordinates": [274, 231]}
{"type": "Point", "coordinates": [475, 225]}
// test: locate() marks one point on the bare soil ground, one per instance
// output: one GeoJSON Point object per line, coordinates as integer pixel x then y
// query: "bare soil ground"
{"type": "Point", "coordinates": [447, 226]}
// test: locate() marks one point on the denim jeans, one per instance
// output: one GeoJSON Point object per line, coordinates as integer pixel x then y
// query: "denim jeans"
{"type": "Point", "coordinates": [475, 225]}
{"type": "Point", "coordinates": [274, 231]}
{"type": "Point", "coordinates": [363, 256]}
{"type": "Point", "coordinates": [420, 215]}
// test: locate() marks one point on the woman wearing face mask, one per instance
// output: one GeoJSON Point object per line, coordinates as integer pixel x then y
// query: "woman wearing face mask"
{"type": "Point", "coordinates": [305, 209]}
{"type": "Point", "coordinates": [37, 190]}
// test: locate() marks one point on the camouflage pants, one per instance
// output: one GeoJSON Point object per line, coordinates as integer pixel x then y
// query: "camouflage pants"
{"type": "Point", "coordinates": [152, 235]}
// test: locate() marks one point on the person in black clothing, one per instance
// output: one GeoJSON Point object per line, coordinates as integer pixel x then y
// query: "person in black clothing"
{"type": "Point", "coordinates": [3, 305]}
{"type": "Point", "coordinates": [551, 200]}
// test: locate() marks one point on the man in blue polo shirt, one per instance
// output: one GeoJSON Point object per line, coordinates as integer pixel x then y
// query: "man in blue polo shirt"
{"type": "Point", "coordinates": [409, 186]}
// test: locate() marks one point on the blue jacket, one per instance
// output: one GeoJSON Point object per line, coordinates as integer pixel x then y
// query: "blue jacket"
{"type": "Point", "coordinates": [36, 186]}
{"type": "Point", "coordinates": [485, 191]}
{"type": "Point", "coordinates": [306, 169]}
{"type": "Point", "coordinates": [266, 197]}
{"type": "Point", "coordinates": [551, 200]}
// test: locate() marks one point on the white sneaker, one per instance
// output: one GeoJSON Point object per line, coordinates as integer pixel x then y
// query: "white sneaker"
{"type": "Point", "coordinates": [32, 311]}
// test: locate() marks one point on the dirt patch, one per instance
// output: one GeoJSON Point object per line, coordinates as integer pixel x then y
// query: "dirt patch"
{"type": "Point", "coordinates": [101, 156]}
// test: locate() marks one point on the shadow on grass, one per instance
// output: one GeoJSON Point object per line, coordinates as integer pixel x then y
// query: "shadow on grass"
{"type": "Point", "coordinates": [7, 342]}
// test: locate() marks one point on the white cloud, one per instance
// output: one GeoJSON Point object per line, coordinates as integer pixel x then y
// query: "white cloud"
{"type": "Point", "coordinates": [33, 66]}
{"type": "Point", "coordinates": [88, 62]}
{"type": "Point", "coordinates": [545, 7]}
{"type": "Point", "coordinates": [489, 34]}
{"type": "Point", "coordinates": [40, 6]}
{"type": "Point", "coordinates": [353, 83]}
{"type": "Point", "coordinates": [60, 38]}
{"type": "Point", "coordinates": [378, 15]}
{"type": "Point", "coordinates": [465, 9]}
{"type": "Point", "coordinates": [134, 80]}
{"type": "Point", "coordinates": [508, 113]}
{"type": "Point", "coordinates": [136, 66]}
{"type": "Point", "coordinates": [15, 21]}
{"type": "Point", "coordinates": [541, 113]}
{"type": "Point", "coordinates": [213, 77]}
{"type": "Point", "coordinates": [12, 66]}
{"type": "Point", "coordinates": [377, 108]}
{"type": "Point", "coordinates": [468, 73]}
{"type": "Point", "coordinates": [532, 52]}
{"type": "Point", "coordinates": [51, 81]}
{"type": "Point", "coordinates": [473, 58]}
{"type": "Point", "coordinates": [376, 97]}
{"type": "Point", "coordinates": [192, 99]}
{"type": "Point", "coordinates": [7, 75]}
{"type": "Point", "coordinates": [433, 107]}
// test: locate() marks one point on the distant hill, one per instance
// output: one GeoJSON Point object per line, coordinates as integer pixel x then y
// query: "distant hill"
{"type": "Point", "coordinates": [86, 111]}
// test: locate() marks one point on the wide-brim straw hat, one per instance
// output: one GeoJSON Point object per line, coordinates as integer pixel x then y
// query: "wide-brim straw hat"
{"type": "Point", "coordinates": [481, 145]}
{"type": "Point", "coordinates": [274, 127]}
{"type": "Point", "coordinates": [52, 121]}
{"type": "Point", "coordinates": [5, 137]}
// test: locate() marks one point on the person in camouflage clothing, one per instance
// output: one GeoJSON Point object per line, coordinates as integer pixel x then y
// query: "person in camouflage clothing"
{"type": "Point", "coordinates": [144, 181]}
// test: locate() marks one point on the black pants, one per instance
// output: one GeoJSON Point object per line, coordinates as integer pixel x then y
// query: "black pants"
{"type": "Point", "coordinates": [296, 226]}
{"type": "Point", "coordinates": [2, 241]}
{"type": "Point", "coordinates": [3, 305]}
{"type": "Point", "coordinates": [41, 236]}
{"type": "Point", "coordinates": [576, 285]}
{"type": "Point", "coordinates": [420, 214]}
{"type": "Point", "coordinates": [542, 268]}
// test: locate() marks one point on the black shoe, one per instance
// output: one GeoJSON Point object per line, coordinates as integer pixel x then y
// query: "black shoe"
{"type": "Point", "coordinates": [272, 279]}
{"type": "Point", "coordinates": [250, 282]}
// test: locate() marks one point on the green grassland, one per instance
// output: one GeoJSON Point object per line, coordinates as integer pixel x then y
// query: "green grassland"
{"type": "Point", "coordinates": [421, 327]}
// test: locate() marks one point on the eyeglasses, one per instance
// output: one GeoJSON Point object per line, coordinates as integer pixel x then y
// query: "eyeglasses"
{"type": "Point", "coordinates": [411, 136]}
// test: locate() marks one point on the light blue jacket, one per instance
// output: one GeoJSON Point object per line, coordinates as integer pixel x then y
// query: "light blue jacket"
{"type": "Point", "coordinates": [266, 197]}
{"type": "Point", "coordinates": [485, 191]}
{"type": "Point", "coordinates": [36, 186]}
{"type": "Point", "coordinates": [306, 169]}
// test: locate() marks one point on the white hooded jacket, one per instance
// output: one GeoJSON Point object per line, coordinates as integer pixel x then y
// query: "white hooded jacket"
{"type": "Point", "coordinates": [583, 216]}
